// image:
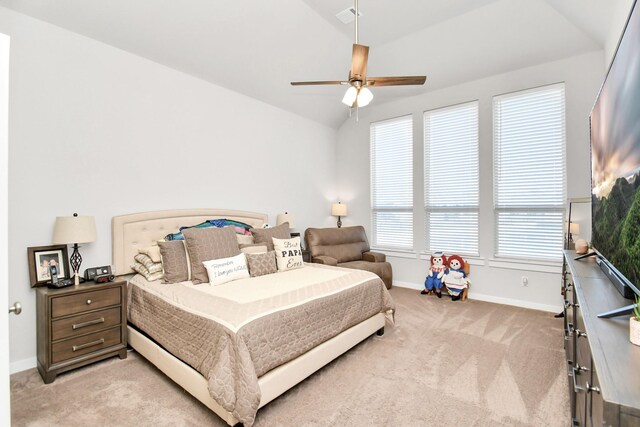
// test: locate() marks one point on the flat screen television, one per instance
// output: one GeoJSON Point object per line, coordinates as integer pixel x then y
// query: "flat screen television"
{"type": "Point", "coordinates": [615, 164]}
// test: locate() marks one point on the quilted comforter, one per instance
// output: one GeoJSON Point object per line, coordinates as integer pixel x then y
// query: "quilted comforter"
{"type": "Point", "coordinates": [236, 332]}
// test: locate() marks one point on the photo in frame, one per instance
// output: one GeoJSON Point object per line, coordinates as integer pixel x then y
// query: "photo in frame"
{"type": "Point", "coordinates": [41, 258]}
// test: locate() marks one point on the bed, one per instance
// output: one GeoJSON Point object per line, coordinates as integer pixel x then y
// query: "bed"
{"type": "Point", "coordinates": [233, 370]}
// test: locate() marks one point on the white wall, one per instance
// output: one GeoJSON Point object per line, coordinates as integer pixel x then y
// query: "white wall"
{"type": "Point", "coordinates": [492, 279]}
{"type": "Point", "coordinates": [99, 131]}
{"type": "Point", "coordinates": [621, 10]}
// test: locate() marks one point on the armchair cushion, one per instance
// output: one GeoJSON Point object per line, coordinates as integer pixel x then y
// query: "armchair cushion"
{"type": "Point", "coordinates": [382, 269]}
{"type": "Point", "coordinates": [323, 259]}
{"type": "Point", "coordinates": [373, 256]}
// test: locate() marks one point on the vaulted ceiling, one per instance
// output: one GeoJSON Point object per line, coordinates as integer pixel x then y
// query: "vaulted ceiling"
{"type": "Point", "coordinates": [257, 47]}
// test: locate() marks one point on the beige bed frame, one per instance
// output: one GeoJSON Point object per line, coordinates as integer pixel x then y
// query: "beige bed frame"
{"type": "Point", "coordinates": [131, 232]}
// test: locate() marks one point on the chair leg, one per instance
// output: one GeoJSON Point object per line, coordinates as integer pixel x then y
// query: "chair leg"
{"type": "Point", "coordinates": [464, 293]}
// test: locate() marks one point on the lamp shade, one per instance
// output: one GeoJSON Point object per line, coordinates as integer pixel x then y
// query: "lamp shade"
{"type": "Point", "coordinates": [339, 209]}
{"type": "Point", "coordinates": [364, 97]}
{"type": "Point", "coordinates": [574, 228]}
{"type": "Point", "coordinates": [350, 96]}
{"type": "Point", "coordinates": [74, 229]}
{"type": "Point", "coordinates": [286, 217]}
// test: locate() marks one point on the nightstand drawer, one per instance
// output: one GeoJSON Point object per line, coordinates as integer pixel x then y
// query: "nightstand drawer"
{"type": "Point", "coordinates": [85, 323]}
{"type": "Point", "coordinates": [85, 301]}
{"type": "Point", "coordinates": [75, 347]}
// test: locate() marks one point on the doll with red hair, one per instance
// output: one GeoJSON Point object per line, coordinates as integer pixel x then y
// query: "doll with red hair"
{"type": "Point", "coordinates": [433, 282]}
{"type": "Point", "coordinates": [455, 279]}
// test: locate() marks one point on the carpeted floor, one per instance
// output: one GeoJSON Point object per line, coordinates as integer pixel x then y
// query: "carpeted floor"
{"type": "Point", "coordinates": [444, 364]}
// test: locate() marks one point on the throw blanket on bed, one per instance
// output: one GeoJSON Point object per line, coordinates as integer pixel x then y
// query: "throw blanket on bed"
{"type": "Point", "coordinates": [234, 333]}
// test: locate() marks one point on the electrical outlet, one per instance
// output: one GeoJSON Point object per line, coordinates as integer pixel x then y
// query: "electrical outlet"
{"type": "Point", "coordinates": [525, 281]}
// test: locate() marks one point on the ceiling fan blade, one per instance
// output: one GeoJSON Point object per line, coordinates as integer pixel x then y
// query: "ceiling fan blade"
{"type": "Point", "coordinates": [359, 59]}
{"type": "Point", "coordinates": [328, 82]}
{"type": "Point", "coordinates": [396, 81]}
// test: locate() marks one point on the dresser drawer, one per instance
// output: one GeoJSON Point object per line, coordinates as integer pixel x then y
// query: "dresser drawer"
{"type": "Point", "coordinates": [85, 301]}
{"type": "Point", "coordinates": [68, 349]}
{"type": "Point", "coordinates": [85, 323]}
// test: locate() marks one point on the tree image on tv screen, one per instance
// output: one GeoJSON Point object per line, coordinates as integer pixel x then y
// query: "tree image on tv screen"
{"type": "Point", "coordinates": [616, 226]}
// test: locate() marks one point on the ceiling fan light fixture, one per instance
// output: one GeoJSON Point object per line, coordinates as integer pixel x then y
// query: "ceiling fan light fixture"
{"type": "Point", "coordinates": [350, 96]}
{"type": "Point", "coordinates": [364, 97]}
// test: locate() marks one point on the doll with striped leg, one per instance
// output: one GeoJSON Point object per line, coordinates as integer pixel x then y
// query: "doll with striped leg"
{"type": "Point", "coordinates": [433, 282]}
{"type": "Point", "coordinates": [455, 278]}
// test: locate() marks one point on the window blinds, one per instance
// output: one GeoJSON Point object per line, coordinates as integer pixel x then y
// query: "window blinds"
{"type": "Point", "coordinates": [530, 173]}
{"type": "Point", "coordinates": [451, 175]}
{"type": "Point", "coordinates": [392, 183]}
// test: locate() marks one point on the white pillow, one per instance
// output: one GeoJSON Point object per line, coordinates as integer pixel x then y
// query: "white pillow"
{"type": "Point", "coordinates": [288, 253]}
{"type": "Point", "coordinates": [225, 270]}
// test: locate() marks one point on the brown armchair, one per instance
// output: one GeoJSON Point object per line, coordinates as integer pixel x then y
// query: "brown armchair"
{"type": "Point", "coordinates": [347, 247]}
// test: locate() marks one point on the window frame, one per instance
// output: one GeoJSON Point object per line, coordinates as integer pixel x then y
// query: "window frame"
{"type": "Point", "coordinates": [551, 208]}
{"type": "Point", "coordinates": [427, 209]}
{"type": "Point", "coordinates": [391, 209]}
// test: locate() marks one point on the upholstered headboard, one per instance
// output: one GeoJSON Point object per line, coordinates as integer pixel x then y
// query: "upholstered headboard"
{"type": "Point", "coordinates": [139, 230]}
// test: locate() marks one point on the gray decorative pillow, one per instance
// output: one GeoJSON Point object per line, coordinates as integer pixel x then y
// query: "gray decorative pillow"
{"type": "Point", "coordinates": [265, 235]}
{"type": "Point", "coordinates": [174, 261]}
{"type": "Point", "coordinates": [150, 276]}
{"type": "Point", "coordinates": [261, 264]}
{"type": "Point", "coordinates": [206, 244]}
{"type": "Point", "coordinates": [144, 260]}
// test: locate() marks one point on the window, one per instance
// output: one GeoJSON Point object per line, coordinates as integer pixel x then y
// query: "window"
{"type": "Point", "coordinates": [451, 179]}
{"type": "Point", "coordinates": [529, 173]}
{"type": "Point", "coordinates": [392, 183]}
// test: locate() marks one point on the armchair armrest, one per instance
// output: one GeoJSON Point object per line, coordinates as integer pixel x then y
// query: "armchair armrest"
{"type": "Point", "coordinates": [373, 256]}
{"type": "Point", "coordinates": [323, 259]}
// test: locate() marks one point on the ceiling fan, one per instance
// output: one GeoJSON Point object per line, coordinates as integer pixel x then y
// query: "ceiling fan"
{"type": "Point", "coordinates": [358, 94]}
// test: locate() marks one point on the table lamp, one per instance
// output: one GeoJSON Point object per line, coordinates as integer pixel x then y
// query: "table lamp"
{"type": "Point", "coordinates": [339, 210]}
{"type": "Point", "coordinates": [574, 229]}
{"type": "Point", "coordinates": [74, 230]}
{"type": "Point", "coordinates": [286, 217]}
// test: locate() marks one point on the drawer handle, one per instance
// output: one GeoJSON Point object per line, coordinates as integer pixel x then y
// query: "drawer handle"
{"type": "Point", "coordinates": [89, 302]}
{"type": "Point", "coordinates": [89, 323]}
{"type": "Point", "coordinates": [576, 372]}
{"type": "Point", "coordinates": [591, 388]}
{"type": "Point", "coordinates": [576, 387]}
{"type": "Point", "coordinates": [89, 344]}
{"type": "Point", "coordinates": [580, 333]}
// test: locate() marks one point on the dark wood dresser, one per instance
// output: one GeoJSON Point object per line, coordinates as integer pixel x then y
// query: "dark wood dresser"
{"type": "Point", "coordinates": [79, 325]}
{"type": "Point", "coordinates": [602, 365]}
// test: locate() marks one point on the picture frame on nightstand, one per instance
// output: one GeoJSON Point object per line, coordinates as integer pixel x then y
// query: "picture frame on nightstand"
{"type": "Point", "coordinates": [41, 258]}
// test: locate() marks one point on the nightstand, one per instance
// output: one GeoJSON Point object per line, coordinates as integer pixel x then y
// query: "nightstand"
{"type": "Point", "coordinates": [79, 325]}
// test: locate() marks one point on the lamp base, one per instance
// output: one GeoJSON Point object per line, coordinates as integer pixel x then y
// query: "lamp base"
{"type": "Point", "coordinates": [339, 223]}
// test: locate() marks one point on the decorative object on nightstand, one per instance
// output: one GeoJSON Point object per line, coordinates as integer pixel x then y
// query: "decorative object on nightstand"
{"type": "Point", "coordinates": [339, 210]}
{"type": "Point", "coordinates": [80, 325]}
{"type": "Point", "coordinates": [42, 258]}
{"type": "Point", "coordinates": [74, 230]}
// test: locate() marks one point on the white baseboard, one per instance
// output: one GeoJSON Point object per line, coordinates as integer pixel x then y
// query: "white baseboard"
{"type": "Point", "coordinates": [22, 365]}
{"type": "Point", "coordinates": [492, 298]}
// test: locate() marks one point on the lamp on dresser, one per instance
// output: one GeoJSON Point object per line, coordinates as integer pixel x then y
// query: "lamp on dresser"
{"type": "Point", "coordinates": [339, 210]}
{"type": "Point", "coordinates": [74, 230]}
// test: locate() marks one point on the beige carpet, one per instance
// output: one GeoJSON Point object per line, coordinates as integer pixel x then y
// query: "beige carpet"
{"type": "Point", "coordinates": [444, 364]}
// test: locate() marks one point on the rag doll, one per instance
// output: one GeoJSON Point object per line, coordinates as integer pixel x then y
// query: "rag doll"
{"type": "Point", "coordinates": [433, 282]}
{"type": "Point", "coordinates": [455, 278]}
